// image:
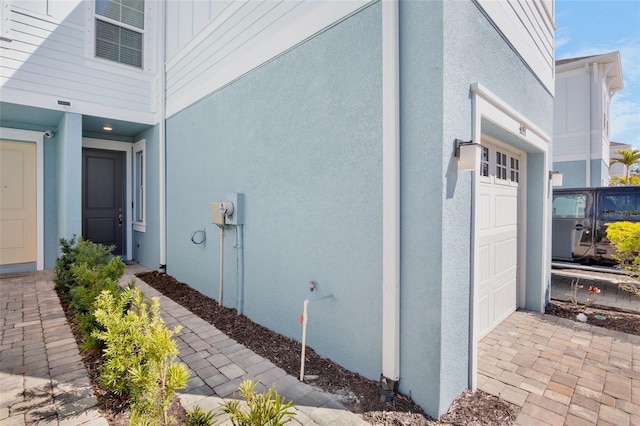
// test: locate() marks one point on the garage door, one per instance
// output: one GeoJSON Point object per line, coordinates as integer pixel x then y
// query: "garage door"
{"type": "Point", "coordinates": [496, 237]}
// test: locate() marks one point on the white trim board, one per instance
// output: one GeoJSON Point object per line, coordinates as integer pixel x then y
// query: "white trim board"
{"type": "Point", "coordinates": [38, 139]}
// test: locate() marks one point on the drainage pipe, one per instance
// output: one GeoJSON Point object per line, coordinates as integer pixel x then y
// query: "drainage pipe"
{"type": "Point", "coordinates": [221, 227]}
{"type": "Point", "coordinates": [303, 320]}
{"type": "Point", "coordinates": [390, 191]}
{"type": "Point", "coordinates": [240, 267]}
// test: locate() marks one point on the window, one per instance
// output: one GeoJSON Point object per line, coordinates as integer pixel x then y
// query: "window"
{"type": "Point", "coordinates": [484, 162]}
{"type": "Point", "coordinates": [515, 170]}
{"type": "Point", "coordinates": [572, 206]}
{"type": "Point", "coordinates": [501, 165]}
{"type": "Point", "coordinates": [622, 206]}
{"type": "Point", "coordinates": [139, 186]}
{"type": "Point", "coordinates": [119, 31]}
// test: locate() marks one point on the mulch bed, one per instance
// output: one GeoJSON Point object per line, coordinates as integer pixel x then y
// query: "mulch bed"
{"type": "Point", "coordinates": [360, 395]}
{"type": "Point", "coordinates": [610, 318]}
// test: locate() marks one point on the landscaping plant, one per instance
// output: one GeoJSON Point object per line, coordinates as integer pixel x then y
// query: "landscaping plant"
{"type": "Point", "coordinates": [265, 408]}
{"type": "Point", "coordinates": [76, 253]}
{"type": "Point", "coordinates": [625, 238]}
{"type": "Point", "coordinates": [83, 271]}
{"type": "Point", "coordinates": [139, 355]}
{"type": "Point", "coordinates": [199, 417]}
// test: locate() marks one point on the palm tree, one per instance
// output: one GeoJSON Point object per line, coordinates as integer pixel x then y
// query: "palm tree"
{"type": "Point", "coordinates": [628, 159]}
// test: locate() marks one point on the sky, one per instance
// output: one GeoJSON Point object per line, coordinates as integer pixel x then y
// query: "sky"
{"type": "Point", "coordinates": [590, 27]}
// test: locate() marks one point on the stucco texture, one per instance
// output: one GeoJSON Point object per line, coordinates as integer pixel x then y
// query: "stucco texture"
{"type": "Point", "coordinates": [300, 138]}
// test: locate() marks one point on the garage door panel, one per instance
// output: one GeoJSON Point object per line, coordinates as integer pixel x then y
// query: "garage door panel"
{"type": "Point", "coordinates": [505, 255]}
{"type": "Point", "coordinates": [506, 210]}
{"type": "Point", "coordinates": [504, 301]}
{"type": "Point", "coordinates": [484, 263]}
{"type": "Point", "coordinates": [484, 212]}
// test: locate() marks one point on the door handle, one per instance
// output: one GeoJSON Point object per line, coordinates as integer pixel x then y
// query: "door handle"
{"type": "Point", "coordinates": [120, 217]}
{"type": "Point", "coordinates": [579, 227]}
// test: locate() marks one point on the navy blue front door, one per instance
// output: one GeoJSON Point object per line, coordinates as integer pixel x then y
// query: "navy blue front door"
{"type": "Point", "coordinates": [103, 202]}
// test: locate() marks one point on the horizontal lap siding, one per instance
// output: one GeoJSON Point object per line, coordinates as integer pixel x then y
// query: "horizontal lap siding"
{"type": "Point", "coordinates": [239, 37]}
{"type": "Point", "coordinates": [47, 57]}
{"type": "Point", "coordinates": [529, 26]}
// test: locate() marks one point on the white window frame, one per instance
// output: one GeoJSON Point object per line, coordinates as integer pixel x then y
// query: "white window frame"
{"type": "Point", "coordinates": [149, 45]}
{"type": "Point", "coordinates": [490, 164]}
{"type": "Point", "coordinates": [139, 183]}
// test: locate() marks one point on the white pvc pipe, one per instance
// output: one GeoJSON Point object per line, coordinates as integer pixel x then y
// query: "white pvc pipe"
{"type": "Point", "coordinates": [240, 266]}
{"type": "Point", "coordinates": [390, 190]}
{"type": "Point", "coordinates": [304, 337]}
{"type": "Point", "coordinates": [221, 264]}
{"type": "Point", "coordinates": [305, 309]}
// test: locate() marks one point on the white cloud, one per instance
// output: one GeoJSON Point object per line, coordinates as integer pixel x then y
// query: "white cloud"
{"type": "Point", "coordinates": [625, 120]}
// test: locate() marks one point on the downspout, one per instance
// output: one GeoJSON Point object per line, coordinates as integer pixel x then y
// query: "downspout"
{"type": "Point", "coordinates": [162, 146]}
{"type": "Point", "coordinates": [588, 147]}
{"type": "Point", "coordinates": [390, 200]}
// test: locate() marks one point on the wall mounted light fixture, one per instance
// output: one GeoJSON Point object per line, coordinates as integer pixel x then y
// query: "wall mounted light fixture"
{"type": "Point", "coordinates": [468, 153]}
{"type": "Point", "coordinates": [555, 178]}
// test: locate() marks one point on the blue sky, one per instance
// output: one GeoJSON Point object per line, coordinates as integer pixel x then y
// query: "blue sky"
{"type": "Point", "coordinates": [591, 27]}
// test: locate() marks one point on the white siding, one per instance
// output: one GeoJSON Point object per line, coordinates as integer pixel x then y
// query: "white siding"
{"type": "Point", "coordinates": [45, 61]}
{"type": "Point", "coordinates": [529, 26]}
{"type": "Point", "coordinates": [238, 37]}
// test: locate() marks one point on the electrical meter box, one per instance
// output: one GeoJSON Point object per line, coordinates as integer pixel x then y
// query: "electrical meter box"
{"type": "Point", "coordinates": [217, 213]}
{"type": "Point", "coordinates": [228, 212]}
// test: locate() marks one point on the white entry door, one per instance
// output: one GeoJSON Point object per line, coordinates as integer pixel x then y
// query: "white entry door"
{"type": "Point", "coordinates": [496, 238]}
{"type": "Point", "coordinates": [18, 228]}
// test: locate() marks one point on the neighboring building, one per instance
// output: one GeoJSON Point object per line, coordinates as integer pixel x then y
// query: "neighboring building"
{"type": "Point", "coordinates": [336, 122]}
{"type": "Point", "coordinates": [584, 88]}
{"type": "Point", "coordinates": [617, 169]}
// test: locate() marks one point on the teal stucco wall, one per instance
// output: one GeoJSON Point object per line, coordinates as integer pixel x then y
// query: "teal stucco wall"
{"type": "Point", "coordinates": [300, 138]}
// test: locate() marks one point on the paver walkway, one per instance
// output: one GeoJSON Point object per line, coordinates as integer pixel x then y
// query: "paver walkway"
{"type": "Point", "coordinates": [42, 378]}
{"type": "Point", "coordinates": [557, 371]}
{"type": "Point", "coordinates": [562, 372]}
{"type": "Point", "coordinates": [219, 364]}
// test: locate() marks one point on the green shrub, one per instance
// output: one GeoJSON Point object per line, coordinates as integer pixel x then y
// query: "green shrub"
{"type": "Point", "coordinates": [199, 417]}
{"type": "Point", "coordinates": [139, 354]}
{"type": "Point", "coordinates": [90, 281]}
{"type": "Point", "coordinates": [266, 408]}
{"type": "Point", "coordinates": [625, 238]}
{"type": "Point", "coordinates": [63, 276]}
{"type": "Point", "coordinates": [76, 253]}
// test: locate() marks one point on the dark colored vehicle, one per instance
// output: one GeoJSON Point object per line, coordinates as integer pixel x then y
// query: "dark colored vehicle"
{"type": "Point", "coordinates": [580, 216]}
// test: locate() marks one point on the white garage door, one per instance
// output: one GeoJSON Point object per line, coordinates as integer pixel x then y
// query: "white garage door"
{"type": "Point", "coordinates": [496, 238]}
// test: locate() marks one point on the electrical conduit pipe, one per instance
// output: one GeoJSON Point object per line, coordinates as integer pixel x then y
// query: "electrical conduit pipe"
{"type": "Point", "coordinates": [240, 267]}
{"type": "Point", "coordinates": [221, 264]}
